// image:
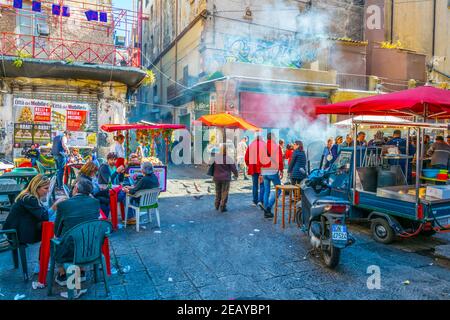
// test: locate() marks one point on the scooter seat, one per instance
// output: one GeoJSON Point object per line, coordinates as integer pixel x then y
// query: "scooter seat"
{"type": "Point", "coordinates": [322, 199]}
{"type": "Point", "coordinates": [331, 200]}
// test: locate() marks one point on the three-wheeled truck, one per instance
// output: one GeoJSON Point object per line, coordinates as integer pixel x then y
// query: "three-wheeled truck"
{"type": "Point", "coordinates": [376, 184]}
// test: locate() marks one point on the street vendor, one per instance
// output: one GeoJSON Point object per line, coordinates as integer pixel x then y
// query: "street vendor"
{"type": "Point", "coordinates": [142, 150]}
{"type": "Point", "coordinates": [119, 149]}
{"type": "Point", "coordinates": [439, 153]}
{"type": "Point", "coordinates": [400, 143]}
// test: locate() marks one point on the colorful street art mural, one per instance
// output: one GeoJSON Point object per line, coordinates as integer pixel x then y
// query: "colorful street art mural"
{"type": "Point", "coordinates": [285, 51]}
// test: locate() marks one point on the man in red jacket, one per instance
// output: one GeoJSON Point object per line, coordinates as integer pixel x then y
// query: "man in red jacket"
{"type": "Point", "coordinates": [253, 162]}
{"type": "Point", "coordinates": [272, 171]}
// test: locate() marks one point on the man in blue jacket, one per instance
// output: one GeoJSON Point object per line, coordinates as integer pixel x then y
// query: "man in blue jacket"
{"type": "Point", "coordinates": [400, 143]}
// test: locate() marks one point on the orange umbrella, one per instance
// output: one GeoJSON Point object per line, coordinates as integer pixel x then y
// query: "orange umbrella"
{"type": "Point", "coordinates": [226, 120]}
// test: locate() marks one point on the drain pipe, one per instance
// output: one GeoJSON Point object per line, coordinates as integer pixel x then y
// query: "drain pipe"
{"type": "Point", "coordinates": [433, 47]}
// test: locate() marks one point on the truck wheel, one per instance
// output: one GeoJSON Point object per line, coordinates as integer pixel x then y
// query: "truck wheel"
{"type": "Point", "coordinates": [428, 233]}
{"type": "Point", "coordinates": [382, 231]}
{"type": "Point", "coordinates": [331, 257]}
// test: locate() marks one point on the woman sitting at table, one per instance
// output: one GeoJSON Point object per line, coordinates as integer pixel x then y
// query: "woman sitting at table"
{"type": "Point", "coordinates": [28, 212]}
{"type": "Point", "coordinates": [75, 156]}
{"type": "Point", "coordinates": [147, 182]}
{"type": "Point", "coordinates": [89, 172]}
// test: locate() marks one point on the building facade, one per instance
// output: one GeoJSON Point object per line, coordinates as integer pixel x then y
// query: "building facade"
{"type": "Point", "coordinates": [269, 61]}
{"type": "Point", "coordinates": [63, 69]}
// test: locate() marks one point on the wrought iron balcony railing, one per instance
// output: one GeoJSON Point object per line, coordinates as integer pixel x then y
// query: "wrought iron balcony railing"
{"type": "Point", "coordinates": [47, 48]}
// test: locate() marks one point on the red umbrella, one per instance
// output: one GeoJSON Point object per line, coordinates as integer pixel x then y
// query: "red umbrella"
{"type": "Point", "coordinates": [123, 127]}
{"type": "Point", "coordinates": [427, 102]}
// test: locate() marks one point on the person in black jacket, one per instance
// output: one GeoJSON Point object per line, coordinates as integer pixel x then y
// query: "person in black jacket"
{"type": "Point", "coordinates": [147, 182]}
{"type": "Point", "coordinates": [297, 166]}
{"type": "Point", "coordinates": [28, 212]}
{"type": "Point", "coordinates": [82, 207]}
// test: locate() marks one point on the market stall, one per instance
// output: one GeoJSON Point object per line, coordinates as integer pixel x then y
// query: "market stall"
{"type": "Point", "coordinates": [147, 135]}
{"type": "Point", "coordinates": [377, 186]}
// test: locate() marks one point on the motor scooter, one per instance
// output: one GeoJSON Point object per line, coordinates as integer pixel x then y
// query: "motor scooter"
{"type": "Point", "coordinates": [323, 216]}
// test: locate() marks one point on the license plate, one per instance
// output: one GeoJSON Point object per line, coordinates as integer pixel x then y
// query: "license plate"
{"type": "Point", "coordinates": [339, 232]}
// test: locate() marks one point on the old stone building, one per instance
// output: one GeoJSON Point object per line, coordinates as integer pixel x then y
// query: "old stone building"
{"type": "Point", "coordinates": [65, 70]}
{"type": "Point", "coordinates": [419, 27]}
{"type": "Point", "coordinates": [266, 60]}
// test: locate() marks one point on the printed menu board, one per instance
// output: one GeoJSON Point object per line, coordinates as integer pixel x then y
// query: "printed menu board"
{"type": "Point", "coordinates": [42, 134]}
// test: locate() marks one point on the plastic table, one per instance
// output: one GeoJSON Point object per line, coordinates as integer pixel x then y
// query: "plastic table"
{"type": "Point", "coordinates": [113, 204]}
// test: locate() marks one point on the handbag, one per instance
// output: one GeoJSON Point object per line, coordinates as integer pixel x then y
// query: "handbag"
{"type": "Point", "coordinates": [211, 170]}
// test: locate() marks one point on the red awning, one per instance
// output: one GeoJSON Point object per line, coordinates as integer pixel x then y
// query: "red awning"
{"type": "Point", "coordinates": [137, 126]}
{"type": "Point", "coordinates": [427, 101]}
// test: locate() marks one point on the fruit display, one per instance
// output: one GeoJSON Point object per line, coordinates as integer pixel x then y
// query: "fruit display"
{"type": "Point", "coordinates": [153, 160]}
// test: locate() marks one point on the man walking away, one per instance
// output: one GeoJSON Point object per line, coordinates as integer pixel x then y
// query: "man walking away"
{"type": "Point", "coordinates": [272, 172]}
{"type": "Point", "coordinates": [253, 162]}
{"type": "Point", "coordinates": [223, 167]}
{"type": "Point", "coordinates": [241, 151]}
{"type": "Point", "coordinates": [60, 152]}
{"type": "Point", "coordinates": [439, 153]}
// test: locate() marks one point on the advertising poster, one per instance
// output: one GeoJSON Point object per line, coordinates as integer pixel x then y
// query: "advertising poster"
{"type": "Point", "coordinates": [42, 114]}
{"type": "Point", "coordinates": [42, 133]}
{"type": "Point", "coordinates": [161, 173]}
{"type": "Point", "coordinates": [76, 120]}
{"type": "Point", "coordinates": [78, 139]}
{"type": "Point", "coordinates": [61, 115]}
{"type": "Point", "coordinates": [23, 134]}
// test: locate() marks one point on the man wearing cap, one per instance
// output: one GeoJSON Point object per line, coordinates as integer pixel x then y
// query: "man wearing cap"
{"type": "Point", "coordinates": [439, 153]}
{"type": "Point", "coordinates": [60, 152]}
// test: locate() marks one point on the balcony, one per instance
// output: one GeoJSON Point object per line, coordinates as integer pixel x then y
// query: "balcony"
{"type": "Point", "coordinates": [46, 48]}
{"type": "Point", "coordinates": [352, 81]}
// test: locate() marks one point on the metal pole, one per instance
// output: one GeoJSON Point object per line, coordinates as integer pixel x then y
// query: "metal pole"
{"type": "Point", "coordinates": [407, 155]}
{"type": "Point", "coordinates": [354, 163]}
{"type": "Point", "coordinates": [418, 169]}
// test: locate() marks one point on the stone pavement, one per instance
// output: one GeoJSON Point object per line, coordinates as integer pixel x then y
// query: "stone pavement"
{"type": "Point", "coordinates": [202, 254]}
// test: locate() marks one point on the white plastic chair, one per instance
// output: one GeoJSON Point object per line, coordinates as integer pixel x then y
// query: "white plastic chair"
{"type": "Point", "coordinates": [148, 201]}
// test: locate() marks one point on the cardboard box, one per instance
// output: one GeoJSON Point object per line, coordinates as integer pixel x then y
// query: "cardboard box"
{"type": "Point", "coordinates": [439, 192]}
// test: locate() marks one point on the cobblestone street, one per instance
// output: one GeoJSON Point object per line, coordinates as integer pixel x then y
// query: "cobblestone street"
{"type": "Point", "coordinates": [201, 254]}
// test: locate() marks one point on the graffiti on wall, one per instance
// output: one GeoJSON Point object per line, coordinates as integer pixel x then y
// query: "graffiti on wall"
{"type": "Point", "coordinates": [285, 51]}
